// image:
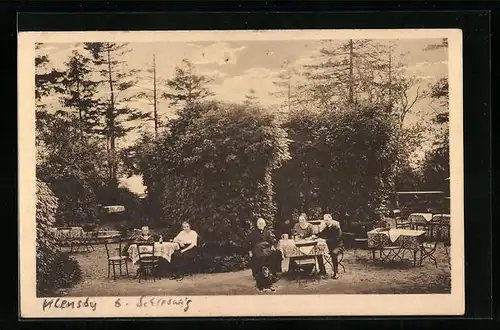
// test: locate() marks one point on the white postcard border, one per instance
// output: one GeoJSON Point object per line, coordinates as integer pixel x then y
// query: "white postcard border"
{"type": "Point", "coordinates": [219, 306]}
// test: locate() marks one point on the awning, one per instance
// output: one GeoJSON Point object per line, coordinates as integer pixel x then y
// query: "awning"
{"type": "Point", "coordinates": [114, 208]}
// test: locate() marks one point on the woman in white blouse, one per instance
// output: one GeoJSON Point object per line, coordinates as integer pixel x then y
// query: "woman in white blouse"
{"type": "Point", "coordinates": [183, 259]}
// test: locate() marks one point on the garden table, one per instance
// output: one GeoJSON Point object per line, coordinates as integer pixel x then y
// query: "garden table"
{"type": "Point", "coordinates": [68, 232]}
{"type": "Point", "coordinates": [290, 248]}
{"type": "Point", "coordinates": [163, 250]}
{"type": "Point", "coordinates": [419, 219]}
{"type": "Point", "coordinates": [69, 237]}
{"type": "Point", "coordinates": [405, 239]}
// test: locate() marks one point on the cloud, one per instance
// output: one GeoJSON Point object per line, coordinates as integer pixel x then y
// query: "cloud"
{"type": "Point", "coordinates": [194, 45]}
{"type": "Point", "coordinates": [258, 78]}
{"type": "Point", "coordinates": [309, 58]}
{"type": "Point", "coordinates": [218, 53]}
{"type": "Point", "coordinates": [428, 69]}
{"type": "Point", "coordinates": [425, 77]}
{"type": "Point", "coordinates": [212, 73]}
{"type": "Point", "coordinates": [259, 72]}
{"type": "Point", "coordinates": [425, 64]}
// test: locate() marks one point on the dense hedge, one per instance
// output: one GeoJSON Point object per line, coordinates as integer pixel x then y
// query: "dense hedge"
{"type": "Point", "coordinates": [54, 269]}
{"type": "Point", "coordinates": [213, 168]}
{"type": "Point", "coordinates": [342, 161]}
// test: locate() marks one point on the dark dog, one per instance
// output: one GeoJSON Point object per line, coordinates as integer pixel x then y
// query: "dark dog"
{"type": "Point", "coordinates": [265, 279]}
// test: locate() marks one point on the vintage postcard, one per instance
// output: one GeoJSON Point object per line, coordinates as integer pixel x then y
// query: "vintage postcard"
{"type": "Point", "coordinates": [241, 173]}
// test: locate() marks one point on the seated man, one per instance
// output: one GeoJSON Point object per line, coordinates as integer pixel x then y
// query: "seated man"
{"type": "Point", "coordinates": [333, 236]}
{"type": "Point", "coordinates": [182, 259]}
{"type": "Point", "coordinates": [262, 250]}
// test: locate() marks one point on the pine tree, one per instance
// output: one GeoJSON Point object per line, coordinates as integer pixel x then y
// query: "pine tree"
{"type": "Point", "coordinates": [362, 71]}
{"type": "Point", "coordinates": [287, 89]}
{"type": "Point", "coordinates": [151, 94]}
{"type": "Point", "coordinates": [46, 78]}
{"type": "Point", "coordinates": [80, 91]}
{"type": "Point", "coordinates": [113, 107]}
{"type": "Point", "coordinates": [337, 78]}
{"type": "Point", "coordinates": [186, 86]}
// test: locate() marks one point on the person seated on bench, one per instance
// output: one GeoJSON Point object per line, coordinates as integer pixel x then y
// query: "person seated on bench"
{"type": "Point", "coordinates": [183, 259]}
{"type": "Point", "coordinates": [333, 236]}
{"type": "Point", "coordinates": [262, 249]}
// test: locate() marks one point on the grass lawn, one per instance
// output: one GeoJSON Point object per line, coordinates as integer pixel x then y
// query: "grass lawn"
{"type": "Point", "coordinates": [362, 276]}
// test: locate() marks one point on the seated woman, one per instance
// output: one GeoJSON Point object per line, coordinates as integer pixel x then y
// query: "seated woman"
{"type": "Point", "coordinates": [182, 259]}
{"type": "Point", "coordinates": [262, 250]}
{"type": "Point", "coordinates": [303, 229]}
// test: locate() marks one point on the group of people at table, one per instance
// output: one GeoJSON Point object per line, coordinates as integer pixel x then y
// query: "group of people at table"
{"type": "Point", "coordinates": [266, 258]}
{"type": "Point", "coordinates": [187, 242]}
{"type": "Point", "coordinates": [264, 255]}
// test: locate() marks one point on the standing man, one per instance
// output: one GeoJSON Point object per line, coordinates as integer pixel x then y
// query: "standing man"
{"type": "Point", "coordinates": [333, 236]}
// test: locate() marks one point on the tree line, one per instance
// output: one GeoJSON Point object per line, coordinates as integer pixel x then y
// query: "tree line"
{"type": "Point", "coordinates": [338, 143]}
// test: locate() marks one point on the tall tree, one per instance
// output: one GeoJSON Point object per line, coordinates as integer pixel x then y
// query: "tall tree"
{"type": "Point", "coordinates": [80, 90]}
{"type": "Point", "coordinates": [436, 166]}
{"type": "Point", "coordinates": [362, 71]}
{"type": "Point", "coordinates": [288, 90]}
{"type": "Point", "coordinates": [336, 79]}
{"type": "Point", "coordinates": [119, 117]}
{"type": "Point", "coordinates": [186, 86]}
{"type": "Point", "coordinates": [46, 77]}
{"type": "Point", "coordinates": [151, 94]}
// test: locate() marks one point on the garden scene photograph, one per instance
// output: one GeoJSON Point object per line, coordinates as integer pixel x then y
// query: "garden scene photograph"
{"type": "Point", "coordinates": [245, 167]}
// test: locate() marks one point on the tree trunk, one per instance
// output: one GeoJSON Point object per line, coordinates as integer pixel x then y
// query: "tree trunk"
{"type": "Point", "coordinates": [111, 125]}
{"type": "Point", "coordinates": [351, 72]}
{"type": "Point", "coordinates": [390, 76]}
{"type": "Point", "coordinates": [154, 98]}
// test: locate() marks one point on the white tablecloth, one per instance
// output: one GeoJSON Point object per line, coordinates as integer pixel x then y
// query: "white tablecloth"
{"type": "Point", "coordinates": [444, 217]}
{"type": "Point", "coordinates": [420, 217]}
{"type": "Point", "coordinates": [69, 232]}
{"type": "Point", "coordinates": [290, 249]}
{"type": "Point", "coordinates": [406, 238]}
{"type": "Point", "coordinates": [163, 250]}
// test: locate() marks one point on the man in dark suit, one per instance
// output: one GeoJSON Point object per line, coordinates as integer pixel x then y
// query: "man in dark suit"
{"type": "Point", "coordinates": [333, 236]}
{"type": "Point", "coordinates": [262, 249]}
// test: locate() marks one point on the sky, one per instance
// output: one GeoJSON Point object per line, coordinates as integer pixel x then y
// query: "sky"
{"type": "Point", "coordinates": [238, 66]}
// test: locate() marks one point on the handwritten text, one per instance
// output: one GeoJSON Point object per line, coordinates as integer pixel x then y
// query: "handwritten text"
{"type": "Point", "coordinates": [68, 304]}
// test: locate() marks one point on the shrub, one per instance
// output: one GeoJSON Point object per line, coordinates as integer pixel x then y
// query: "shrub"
{"type": "Point", "coordinates": [220, 260]}
{"type": "Point", "coordinates": [54, 269]}
{"type": "Point", "coordinates": [64, 271]}
{"type": "Point", "coordinates": [342, 160]}
{"type": "Point", "coordinates": [216, 163]}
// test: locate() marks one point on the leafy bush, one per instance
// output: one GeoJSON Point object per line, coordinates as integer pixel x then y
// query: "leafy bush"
{"type": "Point", "coordinates": [342, 160]}
{"type": "Point", "coordinates": [54, 269]}
{"type": "Point", "coordinates": [72, 164]}
{"type": "Point", "coordinates": [208, 263]}
{"type": "Point", "coordinates": [213, 168]}
{"type": "Point", "coordinates": [213, 258]}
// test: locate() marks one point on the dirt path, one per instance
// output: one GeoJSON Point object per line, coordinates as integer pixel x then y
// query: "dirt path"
{"type": "Point", "coordinates": [362, 276]}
